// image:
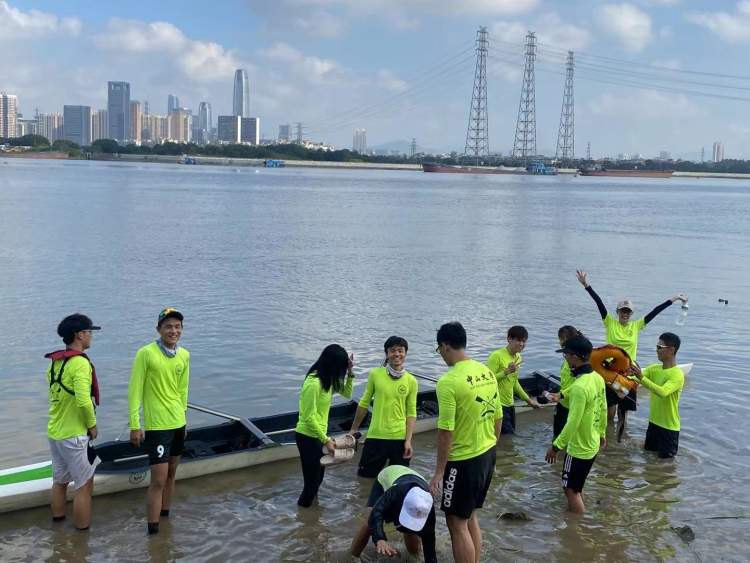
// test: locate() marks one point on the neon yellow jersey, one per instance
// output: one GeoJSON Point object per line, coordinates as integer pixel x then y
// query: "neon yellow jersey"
{"type": "Point", "coordinates": [160, 384]}
{"type": "Point", "coordinates": [587, 417]}
{"type": "Point", "coordinates": [624, 336]}
{"type": "Point", "coordinates": [566, 380]}
{"type": "Point", "coordinates": [388, 476]}
{"type": "Point", "coordinates": [468, 406]}
{"type": "Point", "coordinates": [314, 404]}
{"type": "Point", "coordinates": [395, 400]}
{"type": "Point", "coordinates": [71, 415]}
{"type": "Point", "coordinates": [507, 384]}
{"type": "Point", "coordinates": [665, 386]}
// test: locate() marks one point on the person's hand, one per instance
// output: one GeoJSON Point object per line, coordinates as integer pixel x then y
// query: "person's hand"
{"type": "Point", "coordinates": [603, 442]}
{"type": "Point", "coordinates": [384, 548]}
{"type": "Point", "coordinates": [350, 366]}
{"type": "Point", "coordinates": [136, 437]}
{"type": "Point", "coordinates": [331, 447]}
{"type": "Point", "coordinates": [553, 397]}
{"type": "Point", "coordinates": [533, 404]}
{"type": "Point", "coordinates": [408, 449]}
{"type": "Point", "coordinates": [436, 485]}
{"type": "Point", "coordinates": [551, 455]}
{"type": "Point", "coordinates": [512, 367]}
{"type": "Point", "coordinates": [93, 432]}
{"type": "Point", "coordinates": [680, 297]}
{"type": "Point", "coordinates": [635, 371]}
{"type": "Point", "coordinates": [582, 277]}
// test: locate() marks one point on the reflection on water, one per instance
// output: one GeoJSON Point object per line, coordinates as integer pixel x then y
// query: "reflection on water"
{"type": "Point", "coordinates": [270, 267]}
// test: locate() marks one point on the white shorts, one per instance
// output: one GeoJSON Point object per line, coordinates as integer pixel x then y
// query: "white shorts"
{"type": "Point", "coordinates": [70, 461]}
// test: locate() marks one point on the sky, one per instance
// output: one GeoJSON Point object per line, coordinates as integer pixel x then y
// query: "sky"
{"type": "Point", "coordinates": [402, 70]}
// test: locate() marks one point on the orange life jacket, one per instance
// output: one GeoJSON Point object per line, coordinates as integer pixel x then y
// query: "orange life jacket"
{"type": "Point", "coordinates": [613, 364]}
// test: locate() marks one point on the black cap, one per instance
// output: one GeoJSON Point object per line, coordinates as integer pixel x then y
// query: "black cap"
{"type": "Point", "coordinates": [75, 323]}
{"type": "Point", "coordinates": [578, 346]}
{"type": "Point", "coordinates": [169, 313]}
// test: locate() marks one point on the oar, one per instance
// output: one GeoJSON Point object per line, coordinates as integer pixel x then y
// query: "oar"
{"type": "Point", "coordinates": [254, 430]}
{"type": "Point", "coordinates": [425, 377]}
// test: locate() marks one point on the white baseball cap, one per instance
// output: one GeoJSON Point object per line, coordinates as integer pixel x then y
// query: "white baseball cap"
{"type": "Point", "coordinates": [415, 509]}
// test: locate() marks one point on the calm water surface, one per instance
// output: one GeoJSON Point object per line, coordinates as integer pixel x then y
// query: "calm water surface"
{"type": "Point", "coordinates": [270, 266]}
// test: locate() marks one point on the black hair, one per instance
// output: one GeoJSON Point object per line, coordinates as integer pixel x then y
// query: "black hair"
{"type": "Point", "coordinates": [518, 332]}
{"type": "Point", "coordinates": [70, 325]}
{"type": "Point", "coordinates": [331, 367]}
{"type": "Point", "coordinates": [395, 341]}
{"type": "Point", "coordinates": [567, 331]}
{"type": "Point", "coordinates": [671, 339]}
{"type": "Point", "coordinates": [453, 334]}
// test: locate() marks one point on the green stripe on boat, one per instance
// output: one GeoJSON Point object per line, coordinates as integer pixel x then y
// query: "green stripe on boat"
{"type": "Point", "coordinates": [28, 475]}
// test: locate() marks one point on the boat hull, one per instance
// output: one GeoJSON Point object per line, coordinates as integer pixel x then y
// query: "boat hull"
{"type": "Point", "coordinates": [451, 169]}
{"type": "Point", "coordinates": [628, 173]}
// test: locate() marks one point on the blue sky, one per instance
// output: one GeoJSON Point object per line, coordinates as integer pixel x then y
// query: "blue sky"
{"type": "Point", "coordinates": [401, 69]}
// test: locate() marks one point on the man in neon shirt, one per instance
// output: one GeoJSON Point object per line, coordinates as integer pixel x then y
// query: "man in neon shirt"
{"type": "Point", "coordinates": [665, 382]}
{"type": "Point", "coordinates": [585, 430]}
{"type": "Point", "coordinates": [72, 419]}
{"type": "Point", "coordinates": [393, 415]}
{"type": "Point", "coordinates": [159, 381]}
{"type": "Point", "coordinates": [505, 363]}
{"type": "Point", "coordinates": [468, 424]}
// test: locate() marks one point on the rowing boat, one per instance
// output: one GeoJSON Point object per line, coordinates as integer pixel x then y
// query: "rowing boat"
{"type": "Point", "coordinates": [234, 444]}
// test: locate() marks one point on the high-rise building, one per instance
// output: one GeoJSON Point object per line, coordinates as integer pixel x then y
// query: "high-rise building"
{"type": "Point", "coordinates": [202, 126]}
{"type": "Point", "coordinates": [664, 155]}
{"type": "Point", "coordinates": [118, 110]}
{"type": "Point", "coordinates": [718, 151]}
{"type": "Point", "coordinates": [99, 125]}
{"type": "Point", "coordinates": [135, 122]}
{"type": "Point", "coordinates": [179, 126]}
{"type": "Point", "coordinates": [77, 124]}
{"type": "Point", "coordinates": [285, 132]}
{"type": "Point", "coordinates": [50, 125]}
{"type": "Point", "coordinates": [250, 130]}
{"type": "Point", "coordinates": [173, 103]}
{"type": "Point", "coordinates": [8, 118]}
{"type": "Point", "coordinates": [241, 97]}
{"type": "Point", "coordinates": [146, 108]}
{"type": "Point", "coordinates": [359, 143]}
{"type": "Point", "coordinates": [229, 128]}
{"type": "Point", "coordinates": [25, 126]}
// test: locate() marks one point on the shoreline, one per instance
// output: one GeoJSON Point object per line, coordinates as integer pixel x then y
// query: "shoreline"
{"type": "Point", "coordinates": [333, 165]}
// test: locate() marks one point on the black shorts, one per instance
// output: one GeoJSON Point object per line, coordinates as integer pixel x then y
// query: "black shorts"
{"type": "Point", "coordinates": [558, 423]}
{"type": "Point", "coordinates": [575, 471]}
{"type": "Point", "coordinates": [377, 453]}
{"type": "Point", "coordinates": [163, 444]}
{"type": "Point", "coordinates": [662, 440]}
{"type": "Point", "coordinates": [509, 421]}
{"type": "Point", "coordinates": [627, 403]}
{"type": "Point", "coordinates": [466, 482]}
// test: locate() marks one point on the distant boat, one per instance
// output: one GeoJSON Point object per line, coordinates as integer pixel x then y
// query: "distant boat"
{"type": "Point", "coordinates": [456, 169]}
{"type": "Point", "coordinates": [599, 171]}
{"type": "Point", "coordinates": [538, 168]}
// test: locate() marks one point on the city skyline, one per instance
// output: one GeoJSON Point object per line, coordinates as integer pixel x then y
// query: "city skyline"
{"type": "Point", "coordinates": [329, 62]}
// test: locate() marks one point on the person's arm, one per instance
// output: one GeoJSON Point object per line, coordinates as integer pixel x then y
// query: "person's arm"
{"type": "Point", "coordinates": [518, 390]}
{"type": "Point", "coordinates": [428, 539]}
{"type": "Point", "coordinates": [364, 404]}
{"type": "Point", "coordinates": [655, 311]}
{"type": "Point", "coordinates": [348, 386]}
{"type": "Point", "coordinates": [444, 442]}
{"type": "Point", "coordinates": [184, 384]}
{"type": "Point", "coordinates": [82, 392]}
{"type": "Point", "coordinates": [674, 383]}
{"type": "Point", "coordinates": [446, 395]}
{"type": "Point", "coordinates": [575, 414]}
{"type": "Point", "coordinates": [603, 416]}
{"type": "Point", "coordinates": [135, 389]}
{"type": "Point", "coordinates": [584, 280]}
{"type": "Point", "coordinates": [498, 366]}
{"type": "Point", "coordinates": [411, 418]}
{"type": "Point", "coordinates": [377, 515]}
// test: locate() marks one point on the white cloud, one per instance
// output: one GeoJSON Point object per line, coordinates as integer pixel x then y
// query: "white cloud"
{"type": "Point", "coordinates": [644, 105]}
{"type": "Point", "coordinates": [313, 68]}
{"type": "Point", "coordinates": [551, 31]}
{"type": "Point", "coordinates": [15, 24]}
{"type": "Point", "coordinates": [321, 24]}
{"type": "Point", "coordinates": [733, 28]}
{"type": "Point", "coordinates": [390, 81]}
{"type": "Point", "coordinates": [202, 61]}
{"type": "Point", "coordinates": [628, 23]}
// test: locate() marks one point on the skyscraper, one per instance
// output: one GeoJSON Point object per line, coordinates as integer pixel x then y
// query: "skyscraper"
{"type": "Point", "coordinates": [118, 110]}
{"type": "Point", "coordinates": [173, 103]}
{"type": "Point", "coordinates": [241, 93]}
{"type": "Point", "coordinates": [179, 126]}
{"type": "Point", "coordinates": [718, 151]}
{"type": "Point", "coordinates": [229, 128]}
{"type": "Point", "coordinates": [359, 143]}
{"type": "Point", "coordinates": [77, 124]}
{"type": "Point", "coordinates": [135, 122]}
{"type": "Point", "coordinates": [99, 125]}
{"type": "Point", "coordinates": [50, 125]}
{"type": "Point", "coordinates": [250, 130]}
{"type": "Point", "coordinates": [8, 109]}
{"type": "Point", "coordinates": [202, 126]}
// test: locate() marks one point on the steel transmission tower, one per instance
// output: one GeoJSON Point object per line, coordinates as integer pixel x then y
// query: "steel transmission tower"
{"type": "Point", "coordinates": [477, 133]}
{"type": "Point", "coordinates": [566, 133]}
{"type": "Point", "coordinates": [524, 145]}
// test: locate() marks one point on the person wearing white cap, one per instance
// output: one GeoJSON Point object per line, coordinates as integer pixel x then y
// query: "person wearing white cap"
{"type": "Point", "coordinates": [623, 332]}
{"type": "Point", "coordinates": [402, 496]}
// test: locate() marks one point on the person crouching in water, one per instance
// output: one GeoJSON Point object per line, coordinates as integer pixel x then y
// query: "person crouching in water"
{"type": "Point", "coordinates": [331, 372]}
{"type": "Point", "coordinates": [394, 413]}
{"type": "Point", "coordinates": [585, 430]}
{"type": "Point", "coordinates": [402, 496]}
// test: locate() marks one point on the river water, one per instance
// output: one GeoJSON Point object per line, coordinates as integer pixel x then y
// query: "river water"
{"type": "Point", "coordinates": [269, 266]}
